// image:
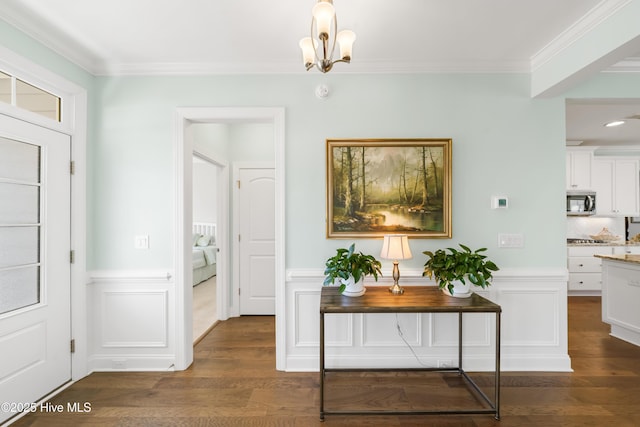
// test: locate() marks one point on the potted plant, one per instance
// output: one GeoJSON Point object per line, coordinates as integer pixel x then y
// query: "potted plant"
{"type": "Point", "coordinates": [349, 268]}
{"type": "Point", "coordinates": [455, 270]}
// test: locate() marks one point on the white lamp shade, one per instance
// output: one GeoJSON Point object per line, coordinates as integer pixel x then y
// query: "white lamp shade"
{"type": "Point", "coordinates": [323, 12]}
{"type": "Point", "coordinates": [396, 247]}
{"type": "Point", "coordinates": [345, 39]}
{"type": "Point", "coordinates": [308, 46]}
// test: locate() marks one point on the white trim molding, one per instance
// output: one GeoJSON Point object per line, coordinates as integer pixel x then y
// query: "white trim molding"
{"type": "Point", "coordinates": [183, 151]}
{"type": "Point", "coordinates": [534, 333]}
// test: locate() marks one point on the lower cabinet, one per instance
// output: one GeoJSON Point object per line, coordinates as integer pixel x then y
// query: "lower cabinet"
{"type": "Point", "coordinates": [585, 270]}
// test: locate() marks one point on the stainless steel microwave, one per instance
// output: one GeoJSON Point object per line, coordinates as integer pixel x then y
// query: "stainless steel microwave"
{"type": "Point", "coordinates": [581, 203]}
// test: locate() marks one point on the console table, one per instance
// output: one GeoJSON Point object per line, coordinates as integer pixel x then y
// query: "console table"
{"type": "Point", "coordinates": [416, 299]}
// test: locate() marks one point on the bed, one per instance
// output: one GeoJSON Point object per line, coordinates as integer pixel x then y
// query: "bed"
{"type": "Point", "coordinates": [204, 251]}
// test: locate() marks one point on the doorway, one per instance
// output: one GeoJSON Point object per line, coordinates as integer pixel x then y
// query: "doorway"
{"type": "Point", "coordinates": [185, 117]}
{"type": "Point", "coordinates": [205, 265]}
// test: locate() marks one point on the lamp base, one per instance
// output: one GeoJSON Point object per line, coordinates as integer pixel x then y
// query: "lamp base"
{"type": "Point", "coordinates": [396, 289]}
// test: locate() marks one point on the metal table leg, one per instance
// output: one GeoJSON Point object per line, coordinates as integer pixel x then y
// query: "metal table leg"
{"type": "Point", "coordinates": [321, 366]}
{"type": "Point", "coordinates": [497, 379]}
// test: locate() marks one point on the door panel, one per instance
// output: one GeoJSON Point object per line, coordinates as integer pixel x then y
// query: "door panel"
{"type": "Point", "coordinates": [35, 330]}
{"type": "Point", "coordinates": [257, 241]}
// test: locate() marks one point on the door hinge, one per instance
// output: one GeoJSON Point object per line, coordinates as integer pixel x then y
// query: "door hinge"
{"type": "Point", "coordinates": [73, 346]}
{"type": "Point", "coordinates": [72, 257]}
{"type": "Point", "coordinates": [238, 237]}
{"type": "Point", "coordinates": [72, 167]}
{"type": "Point", "coordinates": [238, 184]}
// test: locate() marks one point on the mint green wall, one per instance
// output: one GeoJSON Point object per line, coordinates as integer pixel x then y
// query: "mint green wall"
{"type": "Point", "coordinates": [503, 143]}
{"type": "Point", "coordinates": [32, 50]}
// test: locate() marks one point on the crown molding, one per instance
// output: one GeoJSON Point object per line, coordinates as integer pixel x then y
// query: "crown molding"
{"type": "Point", "coordinates": [629, 65]}
{"type": "Point", "coordinates": [356, 67]}
{"type": "Point", "coordinates": [18, 16]}
{"type": "Point", "coordinates": [579, 29]}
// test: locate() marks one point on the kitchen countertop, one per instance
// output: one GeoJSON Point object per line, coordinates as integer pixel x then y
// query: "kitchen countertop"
{"type": "Point", "coordinates": [635, 259]}
{"type": "Point", "coordinates": [606, 244]}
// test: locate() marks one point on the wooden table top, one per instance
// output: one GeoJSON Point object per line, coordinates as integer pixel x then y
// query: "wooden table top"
{"type": "Point", "coordinates": [416, 299]}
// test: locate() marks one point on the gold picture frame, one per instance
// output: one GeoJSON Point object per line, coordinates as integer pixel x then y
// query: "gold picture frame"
{"type": "Point", "coordinates": [377, 187]}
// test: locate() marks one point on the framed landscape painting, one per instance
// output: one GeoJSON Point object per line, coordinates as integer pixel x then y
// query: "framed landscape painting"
{"type": "Point", "coordinates": [384, 186]}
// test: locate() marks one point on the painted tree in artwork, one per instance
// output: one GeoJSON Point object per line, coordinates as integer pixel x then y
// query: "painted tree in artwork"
{"type": "Point", "coordinates": [425, 185]}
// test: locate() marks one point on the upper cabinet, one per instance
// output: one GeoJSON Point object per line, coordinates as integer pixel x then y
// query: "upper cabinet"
{"type": "Point", "coordinates": [579, 168]}
{"type": "Point", "coordinates": [616, 182]}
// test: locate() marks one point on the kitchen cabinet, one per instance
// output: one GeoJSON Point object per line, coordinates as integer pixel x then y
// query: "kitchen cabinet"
{"type": "Point", "coordinates": [585, 270]}
{"type": "Point", "coordinates": [620, 296]}
{"type": "Point", "coordinates": [615, 181]}
{"type": "Point", "coordinates": [578, 170]}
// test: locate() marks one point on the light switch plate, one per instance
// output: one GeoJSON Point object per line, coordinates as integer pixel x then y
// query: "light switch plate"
{"type": "Point", "coordinates": [510, 240]}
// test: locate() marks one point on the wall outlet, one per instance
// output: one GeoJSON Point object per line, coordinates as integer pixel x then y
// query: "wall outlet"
{"type": "Point", "coordinates": [119, 364]}
{"type": "Point", "coordinates": [141, 242]}
{"type": "Point", "coordinates": [445, 363]}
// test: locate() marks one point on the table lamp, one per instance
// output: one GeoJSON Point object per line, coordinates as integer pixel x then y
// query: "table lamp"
{"type": "Point", "coordinates": [396, 247]}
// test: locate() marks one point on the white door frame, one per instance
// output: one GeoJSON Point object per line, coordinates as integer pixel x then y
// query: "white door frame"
{"type": "Point", "coordinates": [183, 150]}
{"type": "Point", "coordinates": [74, 124]}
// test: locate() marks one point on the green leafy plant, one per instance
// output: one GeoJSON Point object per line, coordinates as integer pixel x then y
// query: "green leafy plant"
{"type": "Point", "coordinates": [348, 262]}
{"type": "Point", "coordinates": [452, 264]}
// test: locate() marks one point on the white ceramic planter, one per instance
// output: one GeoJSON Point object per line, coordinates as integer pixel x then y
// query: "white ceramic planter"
{"type": "Point", "coordinates": [460, 290]}
{"type": "Point", "coordinates": [353, 289]}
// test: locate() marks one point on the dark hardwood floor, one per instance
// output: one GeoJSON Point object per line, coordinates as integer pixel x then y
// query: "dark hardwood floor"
{"type": "Point", "coordinates": [233, 383]}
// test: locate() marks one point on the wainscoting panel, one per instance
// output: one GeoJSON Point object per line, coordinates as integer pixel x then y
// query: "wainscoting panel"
{"type": "Point", "coordinates": [477, 329]}
{"type": "Point", "coordinates": [520, 306]}
{"type": "Point", "coordinates": [383, 330]}
{"type": "Point", "coordinates": [533, 328]}
{"type": "Point", "coordinates": [131, 321]}
{"type": "Point", "coordinates": [121, 310]}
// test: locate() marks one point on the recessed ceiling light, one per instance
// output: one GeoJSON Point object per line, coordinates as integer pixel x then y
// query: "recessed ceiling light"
{"type": "Point", "coordinates": [614, 123]}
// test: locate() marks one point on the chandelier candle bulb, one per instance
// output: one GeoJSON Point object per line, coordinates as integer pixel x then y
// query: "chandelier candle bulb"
{"type": "Point", "coordinates": [308, 46]}
{"type": "Point", "coordinates": [323, 13]}
{"type": "Point", "coordinates": [345, 40]}
{"type": "Point", "coordinates": [319, 52]}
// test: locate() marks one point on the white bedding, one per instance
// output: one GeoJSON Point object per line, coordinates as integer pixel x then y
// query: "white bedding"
{"type": "Point", "coordinates": [203, 256]}
{"type": "Point", "coordinates": [204, 252]}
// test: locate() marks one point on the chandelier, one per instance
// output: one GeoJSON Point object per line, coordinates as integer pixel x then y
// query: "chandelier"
{"type": "Point", "coordinates": [319, 52]}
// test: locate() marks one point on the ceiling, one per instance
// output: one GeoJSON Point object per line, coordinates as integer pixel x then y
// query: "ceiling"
{"type": "Point", "coordinates": [586, 120]}
{"type": "Point", "coordinates": [250, 36]}
{"type": "Point", "coordinates": [183, 37]}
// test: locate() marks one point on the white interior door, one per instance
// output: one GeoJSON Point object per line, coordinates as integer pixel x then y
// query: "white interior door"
{"type": "Point", "coordinates": [35, 330]}
{"type": "Point", "coordinates": [256, 217]}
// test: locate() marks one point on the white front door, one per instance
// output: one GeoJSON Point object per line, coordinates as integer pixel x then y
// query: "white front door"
{"type": "Point", "coordinates": [35, 329]}
{"type": "Point", "coordinates": [256, 216]}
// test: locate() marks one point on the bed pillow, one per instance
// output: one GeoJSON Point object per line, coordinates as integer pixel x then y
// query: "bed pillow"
{"type": "Point", "coordinates": [196, 236]}
{"type": "Point", "coordinates": [203, 240]}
